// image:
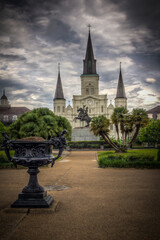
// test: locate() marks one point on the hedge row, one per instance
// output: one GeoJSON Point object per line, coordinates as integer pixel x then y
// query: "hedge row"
{"type": "Point", "coordinates": [88, 144]}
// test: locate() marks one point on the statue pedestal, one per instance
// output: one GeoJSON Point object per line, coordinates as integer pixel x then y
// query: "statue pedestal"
{"type": "Point", "coordinates": [83, 134]}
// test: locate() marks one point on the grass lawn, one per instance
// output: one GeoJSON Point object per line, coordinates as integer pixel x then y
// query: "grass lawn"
{"type": "Point", "coordinates": [137, 158]}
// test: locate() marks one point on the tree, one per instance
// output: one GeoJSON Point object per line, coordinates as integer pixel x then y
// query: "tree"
{"type": "Point", "coordinates": [2, 129]}
{"type": "Point", "coordinates": [40, 122]}
{"type": "Point", "coordinates": [100, 126]}
{"type": "Point", "coordinates": [140, 120]}
{"type": "Point", "coordinates": [151, 133]}
{"type": "Point", "coordinates": [118, 120]}
{"type": "Point", "coordinates": [128, 123]}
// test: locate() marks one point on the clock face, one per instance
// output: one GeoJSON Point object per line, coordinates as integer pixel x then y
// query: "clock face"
{"type": "Point", "coordinates": [90, 102]}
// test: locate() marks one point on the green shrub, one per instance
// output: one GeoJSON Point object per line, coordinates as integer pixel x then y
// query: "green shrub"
{"type": "Point", "coordinates": [87, 144]}
{"type": "Point", "coordinates": [133, 158]}
{"type": "Point", "coordinates": [158, 153]}
{"type": "Point", "coordinates": [3, 157]}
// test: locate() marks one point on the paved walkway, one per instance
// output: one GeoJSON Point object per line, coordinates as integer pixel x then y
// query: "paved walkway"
{"type": "Point", "coordinates": [97, 204]}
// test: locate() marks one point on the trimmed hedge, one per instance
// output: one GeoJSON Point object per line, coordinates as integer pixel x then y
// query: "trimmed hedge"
{"type": "Point", "coordinates": [131, 159]}
{"type": "Point", "coordinates": [87, 144]}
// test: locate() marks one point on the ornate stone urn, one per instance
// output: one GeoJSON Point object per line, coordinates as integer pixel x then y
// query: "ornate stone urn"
{"type": "Point", "coordinates": [33, 154]}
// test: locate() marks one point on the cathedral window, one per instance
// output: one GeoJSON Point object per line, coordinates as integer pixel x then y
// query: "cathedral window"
{"type": "Point", "coordinates": [87, 91]}
{"type": "Point", "coordinates": [92, 91]}
{"type": "Point", "coordinates": [14, 118]}
{"type": "Point", "coordinates": [89, 110]}
{"type": "Point", "coordinates": [101, 108]}
{"type": "Point", "coordinates": [5, 118]}
{"type": "Point", "coordinates": [63, 109]}
{"type": "Point", "coordinates": [89, 63]}
{"type": "Point", "coordinates": [58, 109]}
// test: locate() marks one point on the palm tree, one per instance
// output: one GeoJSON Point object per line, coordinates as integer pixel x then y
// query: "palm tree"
{"type": "Point", "coordinates": [100, 126]}
{"type": "Point", "coordinates": [118, 119]}
{"type": "Point", "coordinates": [140, 119]}
{"type": "Point", "coordinates": [128, 126]}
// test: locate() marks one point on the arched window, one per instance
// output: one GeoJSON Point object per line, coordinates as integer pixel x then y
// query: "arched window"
{"type": "Point", "coordinates": [87, 91]}
{"type": "Point", "coordinates": [92, 90]}
{"type": "Point", "coordinates": [5, 118]}
{"type": "Point", "coordinates": [58, 109]}
{"type": "Point", "coordinates": [101, 108]}
{"type": "Point", "coordinates": [14, 118]}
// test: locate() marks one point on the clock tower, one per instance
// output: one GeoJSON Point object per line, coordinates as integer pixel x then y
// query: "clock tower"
{"type": "Point", "coordinates": [97, 104]}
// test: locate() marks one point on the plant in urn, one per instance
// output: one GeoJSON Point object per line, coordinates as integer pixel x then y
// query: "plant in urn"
{"type": "Point", "coordinates": [34, 152]}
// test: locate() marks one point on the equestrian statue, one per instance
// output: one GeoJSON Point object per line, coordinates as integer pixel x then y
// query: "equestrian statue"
{"type": "Point", "coordinates": [83, 115]}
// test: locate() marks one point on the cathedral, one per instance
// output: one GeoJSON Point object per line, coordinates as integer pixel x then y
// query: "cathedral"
{"type": "Point", "coordinates": [96, 104]}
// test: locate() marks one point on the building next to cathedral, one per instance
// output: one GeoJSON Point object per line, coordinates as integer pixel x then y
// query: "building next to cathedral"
{"type": "Point", "coordinates": [97, 104]}
{"type": "Point", "coordinates": [9, 114]}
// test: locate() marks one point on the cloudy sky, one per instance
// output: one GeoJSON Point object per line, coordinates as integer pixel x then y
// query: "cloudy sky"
{"type": "Point", "coordinates": [36, 35]}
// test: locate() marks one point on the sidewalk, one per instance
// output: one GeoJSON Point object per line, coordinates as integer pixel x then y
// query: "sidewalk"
{"type": "Point", "coordinates": [91, 204]}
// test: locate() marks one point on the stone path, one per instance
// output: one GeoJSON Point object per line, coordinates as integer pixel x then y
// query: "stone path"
{"type": "Point", "coordinates": [90, 203]}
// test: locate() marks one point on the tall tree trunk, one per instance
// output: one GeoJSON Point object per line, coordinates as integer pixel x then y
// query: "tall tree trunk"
{"type": "Point", "coordinates": [117, 130]}
{"type": "Point", "coordinates": [135, 135]}
{"type": "Point", "coordinates": [107, 139]}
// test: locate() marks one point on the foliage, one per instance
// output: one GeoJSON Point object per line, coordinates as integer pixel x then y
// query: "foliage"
{"type": "Point", "coordinates": [87, 144]}
{"type": "Point", "coordinates": [158, 153]}
{"type": "Point", "coordinates": [128, 123]}
{"type": "Point", "coordinates": [118, 118]}
{"type": "Point", "coordinates": [140, 119]}
{"type": "Point", "coordinates": [63, 123]}
{"type": "Point", "coordinates": [133, 158]}
{"type": "Point", "coordinates": [40, 122]}
{"type": "Point", "coordinates": [151, 133]}
{"type": "Point", "coordinates": [2, 129]}
{"type": "Point", "coordinates": [3, 157]}
{"type": "Point", "coordinates": [100, 126]}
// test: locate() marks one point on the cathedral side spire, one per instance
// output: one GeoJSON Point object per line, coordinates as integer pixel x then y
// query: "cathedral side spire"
{"type": "Point", "coordinates": [120, 89]}
{"type": "Point", "coordinates": [89, 62]}
{"type": "Point", "coordinates": [59, 89]}
{"type": "Point", "coordinates": [120, 100]}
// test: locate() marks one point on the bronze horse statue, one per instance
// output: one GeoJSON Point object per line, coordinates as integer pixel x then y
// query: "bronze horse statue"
{"type": "Point", "coordinates": [83, 115]}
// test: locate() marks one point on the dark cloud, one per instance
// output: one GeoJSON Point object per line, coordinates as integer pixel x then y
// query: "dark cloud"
{"type": "Point", "coordinates": [43, 33]}
{"type": "Point", "coordinates": [12, 57]}
{"type": "Point", "coordinates": [58, 31]}
{"type": "Point", "coordinates": [144, 13]}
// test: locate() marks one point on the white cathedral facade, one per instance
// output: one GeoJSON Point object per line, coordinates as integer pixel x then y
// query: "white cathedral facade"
{"type": "Point", "coordinates": [97, 104]}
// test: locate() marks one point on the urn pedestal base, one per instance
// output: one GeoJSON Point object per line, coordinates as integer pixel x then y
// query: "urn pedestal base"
{"type": "Point", "coordinates": [33, 200]}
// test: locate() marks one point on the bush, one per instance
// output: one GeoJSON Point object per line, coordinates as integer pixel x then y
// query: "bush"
{"type": "Point", "coordinates": [158, 153]}
{"type": "Point", "coordinates": [133, 158]}
{"type": "Point", "coordinates": [3, 157]}
{"type": "Point", "coordinates": [87, 144]}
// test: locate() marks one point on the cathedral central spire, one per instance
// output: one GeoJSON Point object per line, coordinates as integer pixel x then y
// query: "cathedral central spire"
{"type": "Point", "coordinates": [89, 66]}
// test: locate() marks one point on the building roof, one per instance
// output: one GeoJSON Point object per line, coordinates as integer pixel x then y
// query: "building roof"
{"type": "Point", "coordinates": [4, 96]}
{"type": "Point", "coordinates": [89, 62]}
{"type": "Point", "coordinates": [154, 110]}
{"type": "Point", "coordinates": [59, 89]}
{"type": "Point", "coordinates": [13, 110]}
{"type": "Point", "coordinates": [120, 88]}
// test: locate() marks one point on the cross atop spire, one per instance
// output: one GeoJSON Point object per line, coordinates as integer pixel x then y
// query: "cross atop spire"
{"type": "Point", "coordinates": [59, 67]}
{"type": "Point", "coordinates": [89, 27]}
